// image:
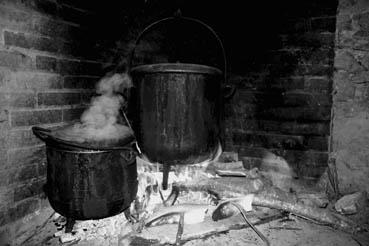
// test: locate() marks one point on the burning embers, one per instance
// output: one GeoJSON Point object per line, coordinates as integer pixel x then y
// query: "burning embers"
{"type": "Point", "coordinates": [101, 121]}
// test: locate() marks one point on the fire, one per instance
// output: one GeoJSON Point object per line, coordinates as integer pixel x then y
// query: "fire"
{"type": "Point", "coordinates": [150, 179]}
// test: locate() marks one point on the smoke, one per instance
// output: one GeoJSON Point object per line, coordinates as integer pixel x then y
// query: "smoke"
{"type": "Point", "coordinates": [100, 120]}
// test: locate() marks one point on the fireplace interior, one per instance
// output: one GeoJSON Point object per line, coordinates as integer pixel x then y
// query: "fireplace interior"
{"type": "Point", "coordinates": [265, 104]}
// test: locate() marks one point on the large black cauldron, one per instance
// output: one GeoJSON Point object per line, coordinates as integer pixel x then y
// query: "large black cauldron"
{"type": "Point", "coordinates": [89, 182]}
{"type": "Point", "coordinates": [178, 109]}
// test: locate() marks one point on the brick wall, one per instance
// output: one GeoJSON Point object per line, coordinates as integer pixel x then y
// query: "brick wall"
{"type": "Point", "coordinates": [53, 51]}
{"type": "Point", "coordinates": [282, 108]}
{"type": "Point", "coordinates": [49, 63]}
{"type": "Point", "coordinates": [350, 126]}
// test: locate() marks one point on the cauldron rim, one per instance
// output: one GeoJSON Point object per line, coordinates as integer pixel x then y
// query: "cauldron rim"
{"type": "Point", "coordinates": [48, 136]}
{"type": "Point", "coordinates": [176, 68]}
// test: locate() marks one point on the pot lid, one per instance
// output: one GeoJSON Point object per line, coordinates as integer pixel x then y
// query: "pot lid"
{"type": "Point", "coordinates": [176, 68]}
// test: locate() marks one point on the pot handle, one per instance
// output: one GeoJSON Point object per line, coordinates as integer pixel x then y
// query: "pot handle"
{"type": "Point", "coordinates": [41, 133]}
{"type": "Point", "coordinates": [229, 91]}
{"type": "Point", "coordinates": [128, 156]}
{"type": "Point", "coordinates": [130, 57]}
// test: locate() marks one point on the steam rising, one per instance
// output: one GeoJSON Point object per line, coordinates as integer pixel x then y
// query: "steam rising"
{"type": "Point", "coordinates": [100, 120]}
{"type": "Point", "coordinates": [112, 84]}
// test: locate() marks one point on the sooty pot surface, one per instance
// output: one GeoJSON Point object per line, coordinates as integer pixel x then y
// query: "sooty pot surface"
{"type": "Point", "coordinates": [91, 184]}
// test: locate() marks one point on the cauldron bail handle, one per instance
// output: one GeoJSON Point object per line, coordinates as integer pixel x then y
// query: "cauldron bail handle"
{"type": "Point", "coordinates": [146, 29]}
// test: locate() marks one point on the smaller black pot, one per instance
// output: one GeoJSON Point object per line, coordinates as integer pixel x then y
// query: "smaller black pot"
{"type": "Point", "coordinates": [85, 183]}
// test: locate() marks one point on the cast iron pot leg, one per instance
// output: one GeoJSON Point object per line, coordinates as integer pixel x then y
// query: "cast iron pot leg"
{"type": "Point", "coordinates": [132, 219]}
{"type": "Point", "coordinates": [69, 225]}
{"type": "Point", "coordinates": [166, 169]}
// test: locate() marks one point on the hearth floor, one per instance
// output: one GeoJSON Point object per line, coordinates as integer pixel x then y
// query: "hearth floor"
{"type": "Point", "coordinates": [280, 230]}
{"type": "Point", "coordinates": [298, 232]}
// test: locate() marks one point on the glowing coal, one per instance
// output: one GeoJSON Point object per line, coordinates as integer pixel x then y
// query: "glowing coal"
{"type": "Point", "coordinates": [100, 120]}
